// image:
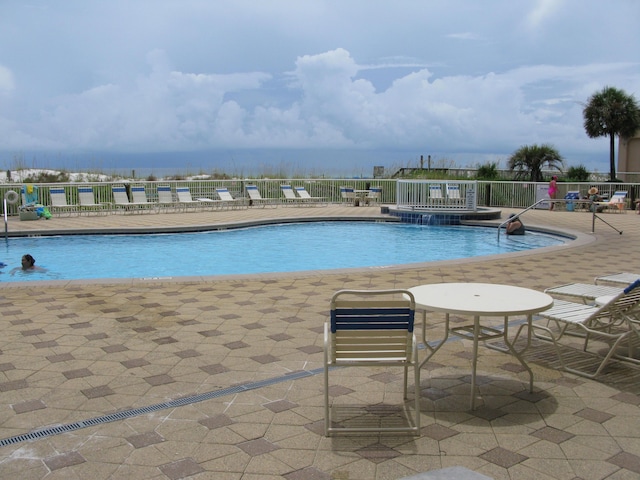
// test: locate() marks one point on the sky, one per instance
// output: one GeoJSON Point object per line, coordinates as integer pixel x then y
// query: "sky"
{"type": "Point", "coordinates": [338, 85]}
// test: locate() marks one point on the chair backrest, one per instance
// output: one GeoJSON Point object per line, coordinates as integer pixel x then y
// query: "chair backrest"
{"type": "Point", "coordinates": [302, 192]}
{"type": "Point", "coordinates": [224, 194]}
{"type": "Point", "coordinates": [372, 325]}
{"type": "Point", "coordinates": [288, 192]}
{"type": "Point", "coordinates": [164, 194]}
{"type": "Point", "coordinates": [625, 303]}
{"type": "Point", "coordinates": [572, 195]}
{"type": "Point", "coordinates": [435, 191]}
{"type": "Point", "coordinates": [184, 195]}
{"type": "Point", "coordinates": [254, 193]}
{"type": "Point", "coordinates": [374, 192]}
{"type": "Point", "coordinates": [58, 197]}
{"type": "Point", "coordinates": [120, 195]}
{"type": "Point", "coordinates": [618, 197]}
{"type": "Point", "coordinates": [85, 196]}
{"type": "Point", "coordinates": [347, 193]}
{"type": "Point", "coordinates": [453, 191]}
{"type": "Point", "coordinates": [138, 194]}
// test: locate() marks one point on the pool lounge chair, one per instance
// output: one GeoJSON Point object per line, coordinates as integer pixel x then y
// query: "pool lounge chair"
{"type": "Point", "coordinates": [255, 199]}
{"type": "Point", "coordinates": [373, 196]}
{"type": "Point", "coordinates": [121, 199]}
{"type": "Point", "coordinates": [453, 195]}
{"type": "Point", "coordinates": [187, 202]}
{"type": "Point", "coordinates": [290, 197]}
{"type": "Point", "coordinates": [624, 278]}
{"type": "Point", "coordinates": [617, 202]}
{"type": "Point", "coordinates": [348, 195]}
{"type": "Point", "coordinates": [87, 203]}
{"type": "Point", "coordinates": [614, 321]}
{"type": "Point", "coordinates": [227, 199]}
{"type": "Point", "coordinates": [59, 203]}
{"type": "Point", "coordinates": [435, 195]}
{"type": "Point", "coordinates": [586, 292]}
{"type": "Point", "coordinates": [302, 193]}
{"type": "Point", "coordinates": [166, 202]}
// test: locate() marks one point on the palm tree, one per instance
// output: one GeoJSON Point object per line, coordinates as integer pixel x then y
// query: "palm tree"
{"type": "Point", "coordinates": [611, 112]}
{"type": "Point", "coordinates": [529, 160]}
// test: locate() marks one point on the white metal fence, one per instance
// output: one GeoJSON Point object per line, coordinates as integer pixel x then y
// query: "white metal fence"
{"type": "Point", "coordinates": [394, 192]}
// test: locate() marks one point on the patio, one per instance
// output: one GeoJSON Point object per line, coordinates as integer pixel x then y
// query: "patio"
{"type": "Point", "coordinates": [217, 377]}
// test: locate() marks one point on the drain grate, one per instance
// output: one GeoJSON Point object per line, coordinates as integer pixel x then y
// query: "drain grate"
{"type": "Point", "coordinates": [134, 412]}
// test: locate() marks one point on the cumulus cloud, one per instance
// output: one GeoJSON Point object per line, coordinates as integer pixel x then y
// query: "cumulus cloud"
{"type": "Point", "coordinates": [331, 107]}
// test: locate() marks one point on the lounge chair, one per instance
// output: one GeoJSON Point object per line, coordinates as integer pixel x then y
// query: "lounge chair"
{"type": "Point", "coordinates": [624, 278]}
{"type": "Point", "coordinates": [348, 195]}
{"type": "Point", "coordinates": [371, 329]}
{"type": "Point", "coordinates": [166, 201]}
{"type": "Point", "coordinates": [302, 193]}
{"type": "Point", "coordinates": [139, 198]}
{"type": "Point", "coordinates": [256, 199]}
{"type": "Point", "coordinates": [290, 196]}
{"type": "Point", "coordinates": [586, 292]}
{"type": "Point", "coordinates": [59, 201]}
{"type": "Point", "coordinates": [86, 199]}
{"type": "Point", "coordinates": [453, 194]}
{"type": "Point", "coordinates": [435, 195]}
{"type": "Point", "coordinates": [373, 196]}
{"type": "Point", "coordinates": [227, 199]}
{"type": "Point", "coordinates": [186, 201]}
{"type": "Point", "coordinates": [617, 202]}
{"type": "Point", "coordinates": [614, 320]}
{"type": "Point", "coordinates": [121, 199]}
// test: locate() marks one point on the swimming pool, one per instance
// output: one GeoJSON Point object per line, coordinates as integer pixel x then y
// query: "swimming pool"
{"type": "Point", "coordinates": [270, 248]}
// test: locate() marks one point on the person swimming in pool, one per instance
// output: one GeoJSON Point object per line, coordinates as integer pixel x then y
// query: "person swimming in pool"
{"type": "Point", "coordinates": [28, 265]}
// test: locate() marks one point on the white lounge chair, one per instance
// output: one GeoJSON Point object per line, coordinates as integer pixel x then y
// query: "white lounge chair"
{"type": "Point", "coordinates": [371, 329]}
{"type": "Point", "coordinates": [586, 292]}
{"type": "Point", "coordinates": [166, 201]}
{"type": "Point", "coordinates": [453, 194]}
{"type": "Point", "coordinates": [290, 196]}
{"type": "Point", "coordinates": [86, 199]}
{"type": "Point", "coordinates": [302, 193]}
{"type": "Point", "coordinates": [139, 198]}
{"type": "Point", "coordinates": [373, 196]}
{"type": "Point", "coordinates": [617, 202]}
{"type": "Point", "coordinates": [121, 200]}
{"type": "Point", "coordinates": [348, 195]}
{"type": "Point", "coordinates": [624, 278]}
{"type": "Point", "coordinates": [256, 199]}
{"type": "Point", "coordinates": [614, 321]}
{"type": "Point", "coordinates": [59, 201]}
{"type": "Point", "coordinates": [435, 195]}
{"type": "Point", "coordinates": [227, 199]}
{"type": "Point", "coordinates": [186, 201]}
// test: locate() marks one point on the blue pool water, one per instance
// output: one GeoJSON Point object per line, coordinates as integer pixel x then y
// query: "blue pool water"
{"type": "Point", "coordinates": [272, 248]}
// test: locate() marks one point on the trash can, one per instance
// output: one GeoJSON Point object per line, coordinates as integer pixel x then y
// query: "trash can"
{"type": "Point", "coordinates": [569, 206]}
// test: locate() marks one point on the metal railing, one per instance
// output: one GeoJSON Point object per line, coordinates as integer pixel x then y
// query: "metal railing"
{"type": "Point", "coordinates": [498, 194]}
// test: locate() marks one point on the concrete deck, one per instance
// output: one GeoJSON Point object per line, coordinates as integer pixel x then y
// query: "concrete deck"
{"type": "Point", "coordinates": [216, 377]}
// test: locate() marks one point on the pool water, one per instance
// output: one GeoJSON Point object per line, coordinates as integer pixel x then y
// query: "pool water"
{"type": "Point", "coordinates": [272, 248]}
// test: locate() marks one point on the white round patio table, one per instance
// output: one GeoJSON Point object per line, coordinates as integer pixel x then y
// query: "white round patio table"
{"type": "Point", "coordinates": [480, 300]}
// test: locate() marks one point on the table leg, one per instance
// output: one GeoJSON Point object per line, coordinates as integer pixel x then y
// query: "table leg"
{"type": "Point", "coordinates": [432, 350]}
{"type": "Point", "coordinates": [512, 349]}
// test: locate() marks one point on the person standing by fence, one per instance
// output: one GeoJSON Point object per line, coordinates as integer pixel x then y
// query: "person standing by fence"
{"type": "Point", "coordinates": [553, 190]}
